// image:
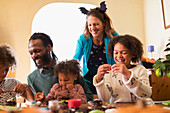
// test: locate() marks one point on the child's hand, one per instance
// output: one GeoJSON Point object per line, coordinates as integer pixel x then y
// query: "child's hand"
{"type": "Point", "coordinates": [20, 88]}
{"type": "Point", "coordinates": [39, 96]}
{"type": "Point", "coordinates": [1, 91]}
{"type": "Point", "coordinates": [121, 68]}
{"type": "Point", "coordinates": [102, 70]}
{"type": "Point", "coordinates": [70, 87]}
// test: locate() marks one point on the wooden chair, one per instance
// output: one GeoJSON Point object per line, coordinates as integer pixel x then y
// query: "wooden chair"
{"type": "Point", "coordinates": [160, 87]}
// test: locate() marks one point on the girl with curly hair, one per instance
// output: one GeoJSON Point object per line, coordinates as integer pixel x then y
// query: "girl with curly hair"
{"type": "Point", "coordinates": [123, 81]}
{"type": "Point", "coordinates": [67, 72]}
{"type": "Point", "coordinates": [9, 87]}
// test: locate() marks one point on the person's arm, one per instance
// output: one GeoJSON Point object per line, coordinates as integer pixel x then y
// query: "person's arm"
{"type": "Point", "coordinates": [80, 80]}
{"type": "Point", "coordinates": [100, 80]}
{"type": "Point", "coordinates": [51, 95]}
{"type": "Point", "coordinates": [138, 83]}
{"type": "Point", "coordinates": [102, 90]}
{"type": "Point", "coordinates": [78, 92]}
{"type": "Point", "coordinates": [79, 49]}
{"type": "Point", "coordinates": [28, 95]}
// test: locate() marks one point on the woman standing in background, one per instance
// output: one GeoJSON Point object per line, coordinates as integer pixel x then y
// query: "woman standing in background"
{"type": "Point", "coordinates": [92, 44]}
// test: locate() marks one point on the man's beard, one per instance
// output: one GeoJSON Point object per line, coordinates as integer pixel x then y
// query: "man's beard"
{"type": "Point", "coordinates": [44, 58]}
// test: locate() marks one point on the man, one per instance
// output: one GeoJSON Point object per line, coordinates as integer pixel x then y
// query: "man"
{"type": "Point", "coordinates": [42, 79]}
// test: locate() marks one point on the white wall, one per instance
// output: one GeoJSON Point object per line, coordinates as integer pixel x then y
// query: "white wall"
{"type": "Point", "coordinates": [64, 23]}
{"type": "Point", "coordinates": [155, 32]}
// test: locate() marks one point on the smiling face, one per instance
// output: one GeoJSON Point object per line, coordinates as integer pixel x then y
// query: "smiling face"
{"type": "Point", "coordinates": [66, 79]}
{"type": "Point", "coordinates": [3, 71]}
{"type": "Point", "coordinates": [95, 27]}
{"type": "Point", "coordinates": [39, 53]}
{"type": "Point", "coordinates": [122, 55]}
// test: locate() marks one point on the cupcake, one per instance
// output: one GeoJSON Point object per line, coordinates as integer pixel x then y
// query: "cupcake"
{"type": "Point", "coordinates": [10, 102]}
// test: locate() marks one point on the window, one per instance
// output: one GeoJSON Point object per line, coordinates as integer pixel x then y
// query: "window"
{"type": "Point", "coordinates": [64, 23]}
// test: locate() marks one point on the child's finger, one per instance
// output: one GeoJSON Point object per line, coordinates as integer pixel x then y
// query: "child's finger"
{"type": "Point", "coordinates": [116, 70]}
{"type": "Point", "coordinates": [63, 87]}
{"type": "Point", "coordinates": [115, 66]}
{"type": "Point", "coordinates": [39, 96]}
{"type": "Point", "coordinates": [43, 93]}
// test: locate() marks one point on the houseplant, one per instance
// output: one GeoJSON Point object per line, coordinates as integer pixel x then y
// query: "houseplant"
{"type": "Point", "coordinates": [162, 65]}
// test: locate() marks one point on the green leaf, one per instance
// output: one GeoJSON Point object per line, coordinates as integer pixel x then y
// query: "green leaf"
{"type": "Point", "coordinates": [166, 62]}
{"type": "Point", "coordinates": [162, 66]}
{"type": "Point", "coordinates": [156, 66]}
{"type": "Point", "coordinates": [168, 57]}
{"type": "Point", "coordinates": [158, 62]}
{"type": "Point", "coordinates": [155, 69]}
{"type": "Point", "coordinates": [168, 68]}
{"type": "Point", "coordinates": [163, 73]}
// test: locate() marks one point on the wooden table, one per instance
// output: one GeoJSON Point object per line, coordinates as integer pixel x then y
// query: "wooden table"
{"type": "Point", "coordinates": [40, 110]}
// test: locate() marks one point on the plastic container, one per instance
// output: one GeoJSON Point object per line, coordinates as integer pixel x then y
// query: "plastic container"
{"type": "Point", "coordinates": [74, 105]}
{"type": "Point", "coordinates": [53, 105]}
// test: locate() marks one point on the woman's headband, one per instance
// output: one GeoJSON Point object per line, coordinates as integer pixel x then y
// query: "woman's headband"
{"type": "Point", "coordinates": [102, 8]}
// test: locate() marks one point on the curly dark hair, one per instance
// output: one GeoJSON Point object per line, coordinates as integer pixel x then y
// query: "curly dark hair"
{"type": "Point", "coordinates": [104, 18]}
{"type": "Point", "coordinates": [68, 66]}
{"type": "Point", "coordinates": [7, 56]}
{"type": "Point", "coordinates": [130, 42]}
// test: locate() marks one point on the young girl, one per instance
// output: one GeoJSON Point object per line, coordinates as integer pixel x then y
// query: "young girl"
{"type": "Point", "coordinates": [9, 87]}
{"type": "Point", "coordinates": [67, 72]}
{"type": "Point", "coordinates": [123, 82]}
